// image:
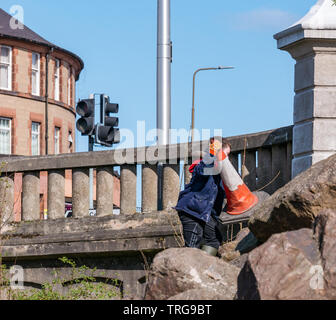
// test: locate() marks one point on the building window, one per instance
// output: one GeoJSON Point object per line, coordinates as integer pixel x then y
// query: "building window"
{"type": "Point", "coordinates": [5, 136]}
{"type": "Point", "coordinates": [69, 86]}
{"type": "Point", "coordinates": [70, 141]}
{"type": "Point", "coordinates": [36, 74]}
{"type": "Point", "coordinates": [5, 68]}
{"type": "Point", "coordinates": [57, 140]}
{"type": "Point", "coordinates": [57, 80]}
{"type": "Point", "coordinates": [35, 136]}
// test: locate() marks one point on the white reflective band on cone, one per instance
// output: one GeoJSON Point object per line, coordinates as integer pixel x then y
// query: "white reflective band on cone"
{"type": "Point", "coordinates": [229, 175]}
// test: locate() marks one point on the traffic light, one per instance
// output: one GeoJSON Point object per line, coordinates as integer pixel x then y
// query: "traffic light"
{"type": "Point", "coordinates": [86, 124]}
{"type": "Point", "coordinates": [106, 133]}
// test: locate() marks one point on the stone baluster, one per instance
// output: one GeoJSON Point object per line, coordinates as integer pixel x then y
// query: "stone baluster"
{"type": "Point", "coordinates": [104, 191]}
{"type": "Point", "coordinates": [31, 196]}
{"type": "Point", "coordinates": [80, 192]}
{"type": "Point", "coordinates": [128, 182]}
{"type": "Point", "coordinates": [171, 185]}
{"type": "Point", "coordinates": [187, 174]}
{"type": "Point", "coordinates": [6, 200]}
{"type": "Point", "coordinates": [56, 194]}
{"type": "Point", "coordinates": [149, 188]}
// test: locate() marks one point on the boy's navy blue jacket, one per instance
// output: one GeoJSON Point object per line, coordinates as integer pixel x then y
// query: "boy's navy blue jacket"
{"type": "Point", "coordinates": [203, 196]}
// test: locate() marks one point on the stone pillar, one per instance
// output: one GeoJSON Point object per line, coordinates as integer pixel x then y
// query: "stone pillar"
{"type": "Point", "coordinates": [312, 43]}
{"type": "Point", "coordinates": [128, 182]}
{"type": "Point", "coordinates": [187, 174]}
{"type": "Point", "coordinates": [56, 194]}
{"type": "Point", "coordinates": [171, 186]}
{"type": "Point", "coordinates": [149, 188]}
{"type": "Point", "coordinates": [80, 193]}
{"type": "Point", "coordinates": [31, 196]}
{"type": "Point", "coordinates": [104, 191]}
{"type": "Point", "coordinates": [6, 200]}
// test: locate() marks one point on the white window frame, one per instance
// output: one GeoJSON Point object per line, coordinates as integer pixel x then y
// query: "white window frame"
{"type": "Point", "coordinates": [57, 149]}
{"type": "Point", "coordinates": [36, 133]}
{"type": "Point", "coordinates": [9, 65]}
{"type": "Point", "coordinates": [57, 79]}
{"type": "Point", "coordinates": [10, 132]}
{"type": "Point", "coordinates": [70, 141]}
{"type": "Point", "coordinates": [36, 71]}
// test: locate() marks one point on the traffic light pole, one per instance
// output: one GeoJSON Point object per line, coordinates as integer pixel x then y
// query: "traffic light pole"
{"type": "Point", "coordinates": [91, 143]}
{"type": "Point", "coordinates": [105, 133]}
{"type": "Point", "coordinates": [102, 111]}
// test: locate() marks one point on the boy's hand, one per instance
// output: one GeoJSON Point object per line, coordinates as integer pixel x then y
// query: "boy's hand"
{"type": "Point", "coordinates": [223, 153]}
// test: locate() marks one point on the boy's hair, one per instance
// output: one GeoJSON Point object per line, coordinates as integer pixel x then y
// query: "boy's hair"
{"type": "Point", "coordinates": [224, 141]}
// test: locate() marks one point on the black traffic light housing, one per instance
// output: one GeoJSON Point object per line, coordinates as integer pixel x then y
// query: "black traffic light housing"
{"type": "Point", "coordinates": [106, 133]}
{"type": "Point", "coordinates": [86, 124]}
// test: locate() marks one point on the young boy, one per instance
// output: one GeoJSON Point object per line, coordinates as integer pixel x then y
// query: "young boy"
{"type": "Point", "coordinates": [201, 202]}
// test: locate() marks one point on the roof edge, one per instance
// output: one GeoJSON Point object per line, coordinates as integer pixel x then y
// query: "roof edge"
{"type": "Point", "coordinates": [50, 46]}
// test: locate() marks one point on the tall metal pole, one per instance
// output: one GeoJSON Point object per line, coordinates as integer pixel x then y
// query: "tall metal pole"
{"type": "Point", "coordinates": [163, 84]}
{"type": "Point", "coordinates": [164, 60]}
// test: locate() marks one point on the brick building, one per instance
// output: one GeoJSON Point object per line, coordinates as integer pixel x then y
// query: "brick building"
{"type": "Point", "coordinates": [37, 98]}
{"type": "Point", "coordinates": [26, 80]}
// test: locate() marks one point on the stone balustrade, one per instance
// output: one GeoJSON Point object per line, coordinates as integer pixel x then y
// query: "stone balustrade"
{"type": "Point", "coordinates": [259, 158]}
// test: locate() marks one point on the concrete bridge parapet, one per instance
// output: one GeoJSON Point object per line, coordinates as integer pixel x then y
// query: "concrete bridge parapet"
{"type": "Point", "coordinates": [119, 247]}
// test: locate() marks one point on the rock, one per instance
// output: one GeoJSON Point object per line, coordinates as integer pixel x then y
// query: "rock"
{"type": "Point", "coordinates": [228, 252]}
{"type": "Point", "coordinates": [198, 294]}
{"type": "Point", "coordinates": [179, 270]}
{"type": "Point", "coordinates": [240, 261]}
{"type": "Point", "coordinates": [325, 233]}
{"type": "Point", "coordinates": [242, 234]}
{"type": "Point", "coordinates": [297, 204]}
{"type": "Point", "coordinates": [282, 268]}
{"type": "Point", "coordinates": [244, 243]}
{"type": "Point", "coordinates": [293, 265]}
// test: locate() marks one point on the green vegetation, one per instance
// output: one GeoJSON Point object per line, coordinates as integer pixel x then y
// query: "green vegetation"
{"type": "Point", "coordinates": [84, 286]}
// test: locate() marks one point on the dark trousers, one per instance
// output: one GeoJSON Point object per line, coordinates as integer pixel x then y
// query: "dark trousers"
{"type": "Point", "coordinates": [196, 232]}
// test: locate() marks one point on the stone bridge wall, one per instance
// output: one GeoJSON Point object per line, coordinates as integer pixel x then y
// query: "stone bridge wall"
{"type": "Point", "coordinates": [120, 246]}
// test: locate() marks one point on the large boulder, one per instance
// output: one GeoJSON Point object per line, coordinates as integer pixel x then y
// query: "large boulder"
{"type": "Point", "coordinates": [295, 265]}
{"type": "Point", "coordinates": [234, 251]}
{"type": "Point", "coordinates": [198, 294]}
{"type": "Point", "coordinates": [296, 205]}
{"type": "Point", "coordinates": [192, 274]}
{"type": "Point", "coordinates": [325, 233]}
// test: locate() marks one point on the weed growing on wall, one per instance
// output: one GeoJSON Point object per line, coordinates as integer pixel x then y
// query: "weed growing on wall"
{"type": "Point", "coordinates": [83, 286]}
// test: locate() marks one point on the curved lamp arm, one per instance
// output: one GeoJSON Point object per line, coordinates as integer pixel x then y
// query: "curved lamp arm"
{"type": "Point", "coordinates": [193, 96]}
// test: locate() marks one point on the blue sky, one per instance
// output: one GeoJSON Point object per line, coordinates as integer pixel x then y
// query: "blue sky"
{"type": "Point", "coordinates": [117, 42]}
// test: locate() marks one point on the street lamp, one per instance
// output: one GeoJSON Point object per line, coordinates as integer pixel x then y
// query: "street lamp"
{"type": "Point", "coordinates": [193, 97]}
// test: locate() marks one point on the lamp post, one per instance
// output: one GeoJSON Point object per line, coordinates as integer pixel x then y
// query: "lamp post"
{"type": "Point", "coordinates": [193, 96]}
{"type": "Point", "coordinates": [164, 60]}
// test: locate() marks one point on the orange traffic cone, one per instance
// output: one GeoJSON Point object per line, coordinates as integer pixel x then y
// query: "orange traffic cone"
{"type": "Point", "coordinates": [239, 198]}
